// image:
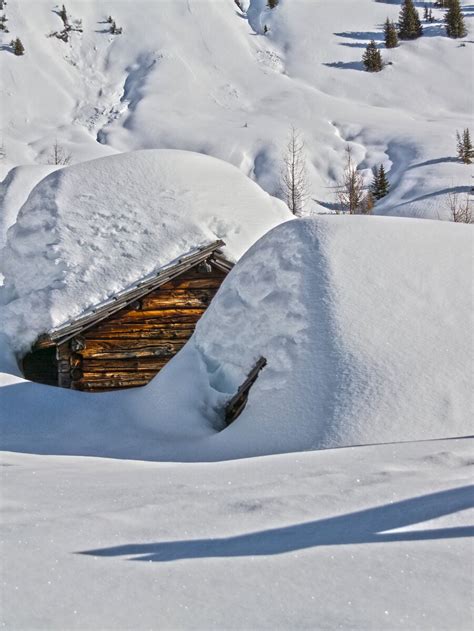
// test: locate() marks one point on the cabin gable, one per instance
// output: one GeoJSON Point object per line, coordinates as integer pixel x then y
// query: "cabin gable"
{"type": "Point", "coordinates": [128, 347]}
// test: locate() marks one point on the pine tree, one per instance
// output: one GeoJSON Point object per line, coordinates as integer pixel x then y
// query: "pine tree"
{"type": "Point", "coordinates": [350, 190]}
{"type": "Point", "coordinates": [18, 48]}
{"type": "Point", "coordinates": [426, 13]}
{"type": "Point", "coordinates": [380, 185]}
{"type": "Point", "coordinates": [454, 20]}
{"type": "Point", "coordinates": [372, 58]}
{"type": "Point", "coordinates": [409, 24]}
{"type": "Point", "coordinates": [391, 35]}
{"type": "Point", "coordinates": [464, 146]}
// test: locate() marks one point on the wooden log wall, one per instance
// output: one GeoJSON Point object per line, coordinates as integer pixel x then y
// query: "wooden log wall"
{"type": "Point", "coordinates": [130, 348]}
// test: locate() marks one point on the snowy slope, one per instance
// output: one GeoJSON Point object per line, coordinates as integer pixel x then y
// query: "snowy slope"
{"type": "Point", "coordinates": [373, 538]}
{"type": "Point", "coordinates": [202, 76]}
{"type": "Point", "coordinates": [88, 231]}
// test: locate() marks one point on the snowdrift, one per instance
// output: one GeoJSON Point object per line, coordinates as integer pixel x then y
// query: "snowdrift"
{"type": "Point", "coordinates": [89, 230]}
{"type": "Point", "coordinates": [365, 324]}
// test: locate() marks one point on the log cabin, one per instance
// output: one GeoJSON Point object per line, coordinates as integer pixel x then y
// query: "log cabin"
{"type": "Point", "coordinates": [126, 340]}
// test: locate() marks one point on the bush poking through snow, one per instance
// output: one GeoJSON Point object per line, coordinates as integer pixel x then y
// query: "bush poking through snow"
{"type": "Point", "coordinates": [460, 208]}
{"type": "Point", "coordinates": [58, 155]}
{"type": "Point", "coordinates": [464, 147]}
{"type": "Point", "coordinates": [17, 46]}
{"type": "Point", "coordinates": [372, 58]}
{"type": "Point", "coordinates": [350, 191]}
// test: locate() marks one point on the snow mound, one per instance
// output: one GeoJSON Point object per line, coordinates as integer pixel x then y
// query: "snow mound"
{"type": "Point", "coordinates": [89, 230]}
{"type": "Point", "coordinates": [365, 324]}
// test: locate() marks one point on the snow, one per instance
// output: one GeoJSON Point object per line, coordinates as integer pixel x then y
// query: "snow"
{"type": "Point", "coordinates": [205, 78]}
{"type": "Point", "coordinates": [365, 323]}
{"type": "Point", "coordinates": [372, 538]}
{"type": "Point", "coordinates": [137, 509]}
{"type": "Point", "coordinates": [88, 231]}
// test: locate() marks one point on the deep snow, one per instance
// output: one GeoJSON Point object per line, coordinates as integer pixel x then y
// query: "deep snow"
{"type": "Point", "coordinates": [88, 231]}
{"type": "Point", "coordinates": [372, 538]}
{"type": "Point", "coordinates": [366, 326]}
{"type": "Point", "coordinates": [203, 77]}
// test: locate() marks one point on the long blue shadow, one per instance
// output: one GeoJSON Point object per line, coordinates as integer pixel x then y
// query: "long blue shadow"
{"type": "Point", "coordinates": [367, 526]}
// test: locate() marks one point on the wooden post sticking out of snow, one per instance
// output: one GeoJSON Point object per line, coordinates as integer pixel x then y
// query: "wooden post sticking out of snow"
{"type": "Point", "coordinates": [238, 402]}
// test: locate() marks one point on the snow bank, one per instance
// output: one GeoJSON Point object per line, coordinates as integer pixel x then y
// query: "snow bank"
{"type": "Point", "coordinates": [88, 230]}
{"type": "Point", "coordinates": [365, 323]}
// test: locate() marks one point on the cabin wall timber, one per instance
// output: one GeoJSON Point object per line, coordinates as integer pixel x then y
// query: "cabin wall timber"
{"type": "Point", "coordinates": [129, 347]}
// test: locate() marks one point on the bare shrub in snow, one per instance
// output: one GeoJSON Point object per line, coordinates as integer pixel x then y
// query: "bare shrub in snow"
{"type": "Point", "coordinates": [294, 179]}
{"type": "Point", "coordinates": [460, 209]}
{"type": "Point", "coordinates": [350, 190]}
{"type": "Point", "coordinates": [58, 155]}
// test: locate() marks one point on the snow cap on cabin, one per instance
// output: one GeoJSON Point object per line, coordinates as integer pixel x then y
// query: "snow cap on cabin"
{"type": "Point", "coordinates": [89, 230]}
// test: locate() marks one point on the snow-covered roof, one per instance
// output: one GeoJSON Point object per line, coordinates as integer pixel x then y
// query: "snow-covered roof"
{"type": "Point", "coordinates": [144, 286]}
{"type": "Point", "coordinates": [91, 230]}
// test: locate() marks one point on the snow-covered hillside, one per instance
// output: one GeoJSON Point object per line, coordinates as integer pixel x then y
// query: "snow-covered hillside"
{"type": "Point", "coordinates": [203, 76]}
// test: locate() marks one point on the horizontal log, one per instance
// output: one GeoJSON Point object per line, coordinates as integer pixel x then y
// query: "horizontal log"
{"type": "Point", "coordinates": [137, 333]}
{"type": "Point", "coordinates": [105, 386]}
{"type": "Point", "coordinates": [175, 302]}
{"type": "Point", "coordinates": [145, 318]}
{"type": "Point", "coordinates": [193, 283]}
{"type": "Point", "coordinates": [115, 375]}
{"type": "Point", "coordinates": [145, 364]}
{"type": "Point", "coordinates": [119, 344]}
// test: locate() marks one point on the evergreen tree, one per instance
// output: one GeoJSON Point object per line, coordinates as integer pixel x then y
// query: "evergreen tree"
{"type": "Point", "coordinates": [465, 148]}
{"type": "Point", "coordinates": [409, 23]}
{"type": "Point", "coordinates": [372, 58]}
{"type": "Point", "coordinates": [380, 185]}
{"type": "Point", "coordinates": [18, 48]}
{"type": "Point", "coordinates": [391, 35]}
{"type": "Point", "coordinates": [454, 20]}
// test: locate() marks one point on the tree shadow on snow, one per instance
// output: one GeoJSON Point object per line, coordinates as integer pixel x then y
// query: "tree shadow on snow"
{"type": "Point", "coordinates": [377, 36]}
{"type": "Point", "coordinates": [434, 161]}
{"type": "Point", "coordinates": [366, 526]}
{"type": "Point", "coordinates": [345, 65]}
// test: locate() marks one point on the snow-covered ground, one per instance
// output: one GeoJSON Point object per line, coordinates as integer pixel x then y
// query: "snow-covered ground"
{"type": "Point", "coordinates": [367, 538]}
{"type": "Point", "coordinates": [365, 322]}
{"type": "Point", "coordinates": [201, 75]}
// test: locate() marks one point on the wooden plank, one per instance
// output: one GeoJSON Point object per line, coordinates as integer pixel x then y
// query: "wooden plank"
{"type": "Point", "coordinates": [119, 344]}
{"type": "Point", "coordinates": [137, 333]}
{"type": "Point", "coordinates": [193, 283]}
{"type": "Point", "coordinates": [238, 402]}
{"type": "Point", "coordinates": [146, 317]}
{"type": "Point", "coordinates": [106, 386]}
{"type": "Point", "coordinates": [144, 364]}
{"type": "Point", "coordinates": [113, 375]}
{"type": "Point", "coordinates": [172, 302]}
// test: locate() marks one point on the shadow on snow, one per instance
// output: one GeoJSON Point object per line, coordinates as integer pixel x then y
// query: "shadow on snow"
{"type": "Point", "coordinates": [366, 526]}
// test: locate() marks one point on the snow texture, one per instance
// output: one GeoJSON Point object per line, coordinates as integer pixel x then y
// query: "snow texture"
{"type": "Point", "coordinates": [89, 230]}
{"type": "Point", "coordinates": [205, 78]}
{"type": "Point", "coordinates": [373, 538]}
{"type": "Point", "coordinates": [365, 324]}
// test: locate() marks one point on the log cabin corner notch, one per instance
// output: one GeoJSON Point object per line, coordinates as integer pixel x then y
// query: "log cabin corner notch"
{"type": "Point", "coordinates": [126, 340]}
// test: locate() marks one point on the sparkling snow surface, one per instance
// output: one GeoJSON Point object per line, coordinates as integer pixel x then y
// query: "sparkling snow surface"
{"type": "Point", "coordinates": [372, 538]}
